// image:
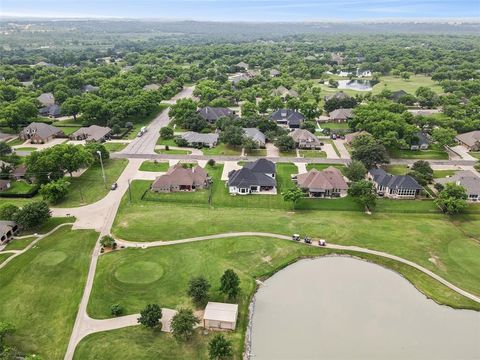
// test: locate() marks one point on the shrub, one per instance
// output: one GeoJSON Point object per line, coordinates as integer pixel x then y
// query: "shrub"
{"type": "Point", "coordinates": [116, 310]}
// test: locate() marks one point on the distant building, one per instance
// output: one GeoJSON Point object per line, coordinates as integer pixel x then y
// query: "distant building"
{"type": "Point", "coordinates": [40, 133]}
{"type": "Point", "coordinates": [288, 118]}
{"type": "Point", "coordinates": [46, 99]}
{"type": "Point", "coordinates": [151, 87]}
{"type": "Point", "coordinates": [284, 93]}
{"type": "Point", "coordinates": [4, 184]}
{"type": "Point", "coordinates": [195, 139]}
{"type": "Point", "coordinates": [274, 73]}
{"type": "Point", "coordinates": [339, 96]}
{"type": "Point", "coordinates": [7, 230]}
{"type": "Point", "coordinates": [256, 135]}
{"type": "Point", "coordinates": [394, 186]}
{"type": "Point", "coordinates": [420, 141]}
{"type": "Point", "coordinates": [304, 139]}
{"type": "Point", "coordinates": [212, 114]}
{"type": "Point", "coordinates": [468, 180]}
{"type": "Point", "coordinates": [352, 136]}
{"type": "Point", "coordinates": [52, 111]}
{"type": "Point", "coordinates": [397, 95]}
{"type": "Point", "coordinates": [341, 115]}
{"type": "Point", "coordinates": [242, 65]}
{"type": "Point", "coordinates": [92, 133]}
{"type": "Point", "coordinates": [178, 178]}
{"type": "Point", "coordinates": [325, 183]}
{"type": "Point", "coordinates": [471, 140]}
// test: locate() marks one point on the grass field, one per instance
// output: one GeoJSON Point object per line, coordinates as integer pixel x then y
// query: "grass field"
{"type": "Point", "coordinates": [19, 244]}
{"type": "Point", "coordinates": [168, 142]}
{"type": "Point", "coordinates": [19, 187]}
{"type": "Point", "coordinates": [89, 187]}
{"type": "Point", "coordinates": [68, 130]}
{"type": "Point", "coordinates": [113, 147]}
{"type": "Point", "coordinates": [26, 149]}
{"type": "Point", "coordinates": [410, 86]}
{"type": "Point", "coordinates": [256, 152]}
{"type": "Point", "coordinates": [222, 149]}
{"type": "Point", "coordinates": [15, 142]}
{"type": "Point", "coordinates": [475, 154]}
{"type": "Point", "coordinates": [48, 225]}
{"type": "Point", "coordinates": [41, 289]}
{"type": "Point", "coordinates": [403, 169]}
{"type": "Point", "coordinates": [4, 257]}
{"type": "Point", "coordinates": [251, 257]}
{"type": "Point", "coordinates": [433, 153]}
{"type": "Point", "coordinates": [335, 125]}
{"type": "Point", "coordinates": [154, 166]}
{"type": "Point", "coordinates": [313, 153]}
{"type": "Point", "coordinates": [173, 151]}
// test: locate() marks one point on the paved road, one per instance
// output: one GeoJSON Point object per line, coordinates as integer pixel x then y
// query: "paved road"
{"type": "Point", "coordinates": [145, 245]}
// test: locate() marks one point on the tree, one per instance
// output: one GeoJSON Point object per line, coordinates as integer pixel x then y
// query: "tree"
{"type": "Point", "coordinates": [166, 133]}
{"type": "Point", "coordinates": [248, 109]}
{"type": "Point", "coordinates": [93, 148]}
{"type": "Point", "coordinates": [232, 135]}
{"type": "Point", "coordinates": [150, 316]}
{"type": "Point", "coordinates": [73, 157]}
{"type": "Point", "coordinates": [116, 310]}
{"type": "Point", "coordinates": [355, 170]}
{"type": "Point", "coordinates": [219, 348]}
{"type": "Point", "coordinates": [364, 193]}
{"type": "Point", "coordinates": [249, 144]}
{"type": "Point", "coordinates": [55, 191]}
{"type": "Point", "coordinates": [444, 136]}
{"type": "Point", "coordinates": [293, 195]}
{"type": "Point", "coordinates": [7, 211]}
{"type": "Point", "coordinates": [198, 288]}
{"type": "Point", "coordinates": [336, 103]}
{"type": "Point", "coordinates": [107, 241]}
{"type": "Point", "coordinates": [427, 97]}
{"type": "Point", "coordinates": [5, 149]}
{"type": "Point", "coordinates": [211, 162]}
{"type": "Point", "coordinates": [422, 172]}
{"type": "Point", "coordinates": [183, 323]}
{"type": "Point", "coordinates": [367, 150]}
{"type": "Point", "coordinates": [72, 106]}
{"type": "Point", "coordinates": [230, 284]}
{"type": "Point", "coordinates": [452, 199]}
{"type": "Point", "coordinates": [285, 143]}
{"type": "Point", "coordinates": [310, 126]}
{"type": "Point", "coordinates": [32, 214]}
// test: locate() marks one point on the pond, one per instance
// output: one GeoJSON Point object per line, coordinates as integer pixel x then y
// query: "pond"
{"type": "Point", "coordinates": [344, 308]}
{"type": "Point", "coordinates": [358, 85]}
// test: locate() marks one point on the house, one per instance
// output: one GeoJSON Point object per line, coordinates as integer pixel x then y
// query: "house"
{"type": "Point", "coordinates": [304, 139]}
{"type": "Point", "coordinates": [256, 135]}
{"type": "Point", "coordinates": [220, 316]}
{"type": "Point", "coordinates": [344, 73]}
{"type": "Point", "coordinates": [43, 63]}
{"type": "Point", "coordinates": [90, 88]}
{"type": "Point", "coordinates": [420, 141]}
{"type": "Point", "coordinates": [340, 115]}
{"type": "Point", "coordinates": [52, 111]}
{"type": "Point", "coordinates": [365, 73]}
{"type": "Point", "coordinates": [19, 172]}
{"type": "Point", "coordinates": [242, 66]}
{"type": "Point", "coordinates": [325, 183]}
{"type": "Point", "coordinates": [92, 133]}
{"type": "Point", "coordinates": [394, 186]}
{"type": "Point", "coordinates": [7, 230]}
{"type": "Point", "coordinates": [253, 178]}
{"type": "Point", "coordinates": [212, 114]}
{"type": "Point", "coordinates": [240, 77]}
{"type": "Point", "coordinates": [40, 133]}
{"type": "Point", "coordinates": [468, 180]}
{"type": "Point", "coordinates": [288, 118]}
{"type": "Point", "coordinates": [339, 96]}
{"type": "Point", "coordinates": [274, 73]}
{"type": "Point", "coordinates": [4, 184]}
{"type": "Point", "coordinates": [397, 95]}
{"type": "Point", "coordinates": [46, 99]}
{"type": "Point", "coordinates": [195, 139]}
{"type": "Point", "coordinates": [151, 87]}
{"type": "Point", "coordinates": [167, 79]}
{"type": "Point", "coordinates": [471, 140]}
{"type": "Point", "coordinates": [284, 93]}
{"type": "Point", "coordinates": [179, 178]}
{"type": "Point", "coordinates": [350, 137]}
{"type": "Point", "coordinates": [337, 58]}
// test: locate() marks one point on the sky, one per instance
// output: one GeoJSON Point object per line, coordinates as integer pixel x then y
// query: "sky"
{"type": "Point", "coordinates": [246, 10]}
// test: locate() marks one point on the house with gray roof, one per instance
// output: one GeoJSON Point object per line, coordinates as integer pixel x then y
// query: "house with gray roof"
{"type": "Point", "coordinates": [304, 139]}
{"type": "Point", "coordinates": [46, 99]}
{"type": "Point", "coordinates": [471, 140]}
{"type": "Point", "coordinates": [7, 230]}
{"type": "Point", "coordinates": [468, 179]}
{"type": "Point", "coordinates": [52, 111]}
{"type": "Point", "coordinates": [420, 141]}
{"type": "Point", "coordinates": [340, 115]}
{"type": "Point", "coordinates": [242, 65]}
{"type": "Point", "coordinates": [92, 133]}
{"type": "Point", "coordinates": [274, 73]}
{"type": "Point", "coordinates": [240, 77]}
{"type": "Point", "coordinates": [212, 114]}
{"type": "Point", "coordinates": [284, 93]}
{"type": "Point", "coordinates": [90, 88]}
{"type": "Point", "coordinates": [256, 135]}
{"type": "Point", "coordinates": [40, 133]}
{"type": "Point", "coordinates": [288, 118]}
{"type": "Point", "coordinates": [195, 139]}
{"type": "Point", "coordinates": [253, 178]}
{"type": "Point", "coordinates": [339, 96]}
{"type": "Point", "coordinates": [394, 186]}
{"type": "Point", "coordinates": [151, 87]}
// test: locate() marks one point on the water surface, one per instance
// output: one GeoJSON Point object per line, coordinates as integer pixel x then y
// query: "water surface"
{"type": "Point", "coordinates": [343, 308]}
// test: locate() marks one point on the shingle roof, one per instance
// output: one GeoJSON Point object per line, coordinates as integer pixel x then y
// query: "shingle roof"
{"type": "Point", "coordinates": [420, 138]}
{"type": "Point", "coordinates": [194, 137]}
{"type": "Point", "coordinates": [262, 166]}
{"type": "Point", "coordinates": [293, 117]}
{"type": "Point", "coordinates": [469, 138]}
{"type": "Point", "coordinates": [341, 114]}
{"type": "Point", "coordinates": [178, 175]}
{"type": "Point", "coordinates": [151, 87]}
{"type": "Point", "coordinates": [465, 178]}
{"type": "Point", "coordinates": [93, 132]}
{"type": "Point", "coordinates": [339, 95]}
{"type": "Point", "coordinates": [382, 178]}
{"type": "Point", "coordinates": [221, 312]}
{"type": "Point", "coordinates": [6, 226]}
{"type": "Point", "coordinates": [253, 173]}
{"type": "Point", "coordinates": [350, 137]}
{"type": "Point", "coordinates": [242, 64]}
{"type": "Point", "coordinates": [50, 110]}
{"type": "Point", "coordinates": [214, 113]}
{"type": "Point", "coordinates": [255, 135]}
{"type": "Point", "coordinates": [304, 136]}
{"type": "Point", "coordinates": [43, 130]}
{"type": "Point", "coordinates": [46, 99]}
{"type": "Point", "coordinates": [327, 179]}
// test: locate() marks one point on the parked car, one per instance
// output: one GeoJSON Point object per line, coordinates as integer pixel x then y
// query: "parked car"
{"type": "Point", "coordinates": [296, 237]}
{"type": "Point", "coordinates": [322, 242]}
{"type": "Point", "coordinates": [114, 186]}
{"type": "Point", "coordinates": [140, 134]}
{"type": "Point", "coordinates": [334, 136]}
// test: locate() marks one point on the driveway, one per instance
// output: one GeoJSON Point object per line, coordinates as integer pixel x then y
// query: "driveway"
{"type": "Point", "coordinates": [340, 144]}
{"type": "Point", "coordinates": [227, 167]}
{"type": "Point", "coordinates": [51, 143]}
{"type": "Point", "coordinates": [460, 152]}
{"type": "Point", "coordinates": [272, 150]}
{"type": "Point", "coordinates": [331, 153]}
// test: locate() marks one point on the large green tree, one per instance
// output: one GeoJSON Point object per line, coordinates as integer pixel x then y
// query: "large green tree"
{"type": "Point", "coordinates": [369, 151]}
{"type": "Point", "coordinates": [452, 199]}
{"type": "Point", "coordinates": [55, 191]}
{"type": "Point", "coordinates": [230, 284]}
{"type": "Point", "coordinates": [198, 288]}
{"type": "Point", "coordinates": [32, 215]}
{"type": "Point", "coordinates": [219, 348]}
{"type": "Point", "coordinates": [183, 323]}
{"type": "Point", "coordinates": [364, 193]}
{"type": "Point", "coordinates": [355, 170]}
{"type": "Point", "coordinates": [150, 316]}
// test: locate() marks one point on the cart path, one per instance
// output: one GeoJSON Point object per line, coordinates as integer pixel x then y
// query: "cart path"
{"type": "Point", "coordinates": [145, 245]}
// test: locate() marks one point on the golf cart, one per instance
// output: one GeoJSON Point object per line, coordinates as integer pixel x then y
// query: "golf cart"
{"type": "Point", "coordinates": [307, 240]}
{"type": "Point", "coordinates": [322, 242]}
{"type": "Point", "coordinates": [296, 237]}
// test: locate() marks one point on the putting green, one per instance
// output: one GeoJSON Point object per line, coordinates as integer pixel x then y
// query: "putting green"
{"type": "Point", "coordinates": [50, 258]}
{"type": "Point", "coordinates": [140, 272]}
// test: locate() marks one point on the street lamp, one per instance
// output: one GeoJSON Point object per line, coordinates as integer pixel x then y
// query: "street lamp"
{"type": "Point", "coordinates": [103, 170]}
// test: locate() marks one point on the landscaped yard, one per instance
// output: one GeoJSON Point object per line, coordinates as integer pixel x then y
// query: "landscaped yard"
{"type": "Point", "coordinates": [324, 166]}
{"type": "Point", "coordinates": [25, 149]}
{"type": "Point", "coordinates": [89, 187]}
{"type": "Point", "coordinates": [256, 152]}
{"type": "Point", "coordinates": [154, 166]}
{"type": "Point", "coordinates": [19, 244]}
{"type": "Point", "coordinates": [68, 130]}
{"type": "Point", "coordinates": [222, 149]}
{"type": "Point", "coordinates": [313, 153]}
{"type": "Point", "coordinates": [173, 151]}
{"type": "Point", "coordinates": [20, 188]}
{"type": "Point", "coordinates": [403, 169]}
{"type": "Point", "coordinates": [40, 291]}
{"type": "Point", "coordinates": [394, 83]}
{"type": "Point", "coordinates": [335, 125]}
{"type": "Point", "coordinates": [168, 142]}
{"type": "Point", "coordinates": [114, 146]}
{"type": "Point", "coordinates": [475, 154]}
{"type": "Point", "coordinates": [4, 257]}
{"type": "Point", "coordinates": [15, 142]}
{"type": "Point", "coordinates": [433, 153]}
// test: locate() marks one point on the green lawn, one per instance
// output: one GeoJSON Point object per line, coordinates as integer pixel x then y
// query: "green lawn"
{"type": "Point", "coordinates": [41, 289]}
{"type": "Point", "coordinates": [4, 257]}
{"type": "Point", "coordinates": [403, 169]}
{"type": "Point", "coordinates": [410, 86]}
{"type": "Point", "coordinates": [173, 151]}
{"type": "Point", "coordinates": [433, 154]}
{"type": "Point", "coordinates": [290, 154]}
{"type": "Point", "coordinates": [67, 130]}
{"type": "Point", "coordinates": [19, 187]}
{"type": "Point", "coordinates": [335, 126]}
{"type": "Point", "coordinates": [475, 154]}
{"type": "Point", "coordinates": [114, 146]}
{"type": "Point", "coordinates": [19, 201]}
{"type": "Point", "coordinates": [251, 257]}
{"type": "Point", "coordinates": [222, 149]}
{"type": "Point", "coordinates": [324, 166]}
{"type": "Point", "coordinates": [168, 142]}
{"type": "Point", "coordinates": [313, 153]}
{"type": "Point", "coordinates": [89, 187]}
{"type": "Point", "coordinates": [19, 244]}
{"type": "Point", "coordinates": [154, 166]}
{"type": "Point", "coordinates": [256, 152]}
{"type": "Point", "coordinates": [48, 225]}
{"type": "Point", "coordinates": [15, 142]}
{"type": "Point", "coordinates": [30, 149]}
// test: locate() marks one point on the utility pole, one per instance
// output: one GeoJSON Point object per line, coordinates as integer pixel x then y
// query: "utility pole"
{"type": "Point", "coordinates": [129, 192]}
{"type": "Point", "coordinates": [103, 170]}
